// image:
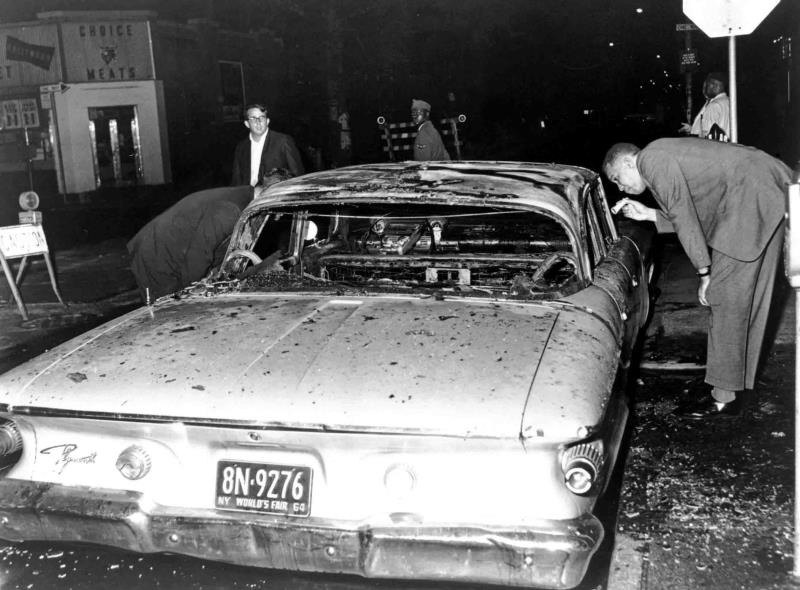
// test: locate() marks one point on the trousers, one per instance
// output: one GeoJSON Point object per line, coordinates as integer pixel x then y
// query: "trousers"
{"type": "Point", "coordinates": [739, 296]}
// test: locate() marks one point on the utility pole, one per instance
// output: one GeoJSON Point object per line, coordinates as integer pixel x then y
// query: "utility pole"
{"type": "Point", "coordinates": [688, 64]}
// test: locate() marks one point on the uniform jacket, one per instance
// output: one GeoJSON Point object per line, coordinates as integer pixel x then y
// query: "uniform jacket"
{"type": "Point", "coordinates": [724, 196]}
{"type": "Point", "coordinates": [279, 151]}
{"type": "Point", "coordinates": [428, 144]}
{"type": "Point", "coordinates": [187, 240]}
{"type": "Point", "coordinates": [715, 111]}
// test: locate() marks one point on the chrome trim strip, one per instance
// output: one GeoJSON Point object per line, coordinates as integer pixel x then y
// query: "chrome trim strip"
{"type": "Point", "coordinates": [38, 411]}
{"type": "Point", "coordinates": [635, 245]}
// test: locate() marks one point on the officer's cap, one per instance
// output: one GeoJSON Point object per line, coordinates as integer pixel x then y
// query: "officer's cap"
{"type": "Point", "coordinates": [420, 105]}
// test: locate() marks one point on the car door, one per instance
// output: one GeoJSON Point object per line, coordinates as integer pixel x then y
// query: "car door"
{"type": "Point", "coordinates": [622, 261]}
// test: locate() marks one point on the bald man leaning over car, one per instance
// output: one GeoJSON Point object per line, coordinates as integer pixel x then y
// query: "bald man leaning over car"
{"type": "Point", "coordinates": [726, 202]}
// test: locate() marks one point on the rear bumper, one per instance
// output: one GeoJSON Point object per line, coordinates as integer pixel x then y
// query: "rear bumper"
{"type": "Point", "coordinates": [552, 554]}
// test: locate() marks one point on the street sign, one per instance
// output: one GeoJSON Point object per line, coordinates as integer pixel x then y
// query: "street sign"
{"type": "Point", "coordinates": [686, 27]}
{"type": "Point", "coordinates": [60, 87]}
{"type": "Point", "coordinates": [688, 61]}
{"type": "Point", "coordinates": [725, 18]}
{"type": "Point", "coordinates": [28, 200]}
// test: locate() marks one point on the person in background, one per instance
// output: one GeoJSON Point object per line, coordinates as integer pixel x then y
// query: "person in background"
{"type": "Point", "coordinates": [726, 202]}
{"type": "Point", "coordinates": [716, 111]}
{"type": "Point", "coordinates": [263, 150]}
{"type": "Point", "coordinates": [428, 143]}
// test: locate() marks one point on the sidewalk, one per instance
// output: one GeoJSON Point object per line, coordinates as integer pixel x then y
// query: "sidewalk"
{"type": "Point", "coordinates": [675, 337]}
{"type": "Point", "coordinates": [706, 504]}
{"type": "Point", "coordinates": [96, 283]}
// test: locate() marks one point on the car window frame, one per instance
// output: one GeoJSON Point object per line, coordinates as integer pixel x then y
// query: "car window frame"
{"type": "Point", "coordinates": [594, 239]}
{"type": "Point", "coordinates": [608, 227]}
{"type": "Point", "coordinates": [583, 269]}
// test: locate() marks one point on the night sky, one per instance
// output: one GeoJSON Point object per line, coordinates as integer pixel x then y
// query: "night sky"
{"type": "Point", "coordinates": [539, 79]}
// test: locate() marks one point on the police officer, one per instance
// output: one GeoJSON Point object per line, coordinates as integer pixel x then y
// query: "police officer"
{"type": "Point", "coordinates": [428, 143]}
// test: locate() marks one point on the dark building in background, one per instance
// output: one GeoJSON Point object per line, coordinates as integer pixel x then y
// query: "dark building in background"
{"type": "Point", "coordinates": [103, 99]}
{"type": "Point", "coordinates": [537, 80]}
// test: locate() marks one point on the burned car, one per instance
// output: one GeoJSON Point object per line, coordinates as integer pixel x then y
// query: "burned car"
{"type": "Point", "coordinates": [406, 370]}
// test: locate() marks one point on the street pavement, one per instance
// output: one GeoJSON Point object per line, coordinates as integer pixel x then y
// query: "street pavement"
{"type": "Point", "coordinates": [706, 504]}
{"type": "Point", "coordinates": [97, 285]}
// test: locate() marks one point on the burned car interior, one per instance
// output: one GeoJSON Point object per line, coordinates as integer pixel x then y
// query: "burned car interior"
{"type": "Point", "coordinates": [517, 253]}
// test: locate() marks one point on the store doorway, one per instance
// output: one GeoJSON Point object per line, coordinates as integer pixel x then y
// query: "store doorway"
{"type": "Point", "coordinates": [116, 147]}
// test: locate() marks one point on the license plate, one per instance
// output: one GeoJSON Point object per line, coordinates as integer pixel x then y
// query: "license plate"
{"type": "Point", "coordinates": [265, 488]}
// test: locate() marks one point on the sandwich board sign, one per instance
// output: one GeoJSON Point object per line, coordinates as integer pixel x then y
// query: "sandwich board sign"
{"type": "Point", "coordinates": [22, 241]}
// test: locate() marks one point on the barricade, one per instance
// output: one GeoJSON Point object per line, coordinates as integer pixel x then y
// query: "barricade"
{"type": "Point", "coordinates": [398, 138]}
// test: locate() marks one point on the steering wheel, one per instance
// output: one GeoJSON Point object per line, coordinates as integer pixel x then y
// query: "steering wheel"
{"type": "Point", "coordinates": [251, 256]}
{"type": "Point", "coordinates": [549, 264]}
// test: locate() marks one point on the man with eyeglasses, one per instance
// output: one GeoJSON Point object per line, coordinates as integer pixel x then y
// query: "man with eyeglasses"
{"type": "Point", "coordinates": [263, 150]}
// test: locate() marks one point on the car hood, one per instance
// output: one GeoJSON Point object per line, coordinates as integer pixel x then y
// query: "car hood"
{"type": "Point", "coordinates": [388, 364]}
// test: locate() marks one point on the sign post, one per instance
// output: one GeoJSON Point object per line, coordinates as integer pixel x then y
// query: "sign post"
{"type": "Point", "coordinates": [729, 18]}
{"type": "Point", "coordinates": [688, 64]}
{"type": "Point", "coordinates": [47, 97]}
{"type": "Point", "coordinates": [792, 265]}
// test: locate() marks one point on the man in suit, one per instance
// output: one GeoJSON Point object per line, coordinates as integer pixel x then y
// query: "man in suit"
{"type": "Point", "coordinates": [263, 150]}
{"type": "Point", "coordinates": [726, 202]}
{"type": "Point", "coordinates": [428, 143]}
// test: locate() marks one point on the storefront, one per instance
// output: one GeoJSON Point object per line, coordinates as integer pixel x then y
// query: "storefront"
{"type": "Point", "coordinates": [80, 97]}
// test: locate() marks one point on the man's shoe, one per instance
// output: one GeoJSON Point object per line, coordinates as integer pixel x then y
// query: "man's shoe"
{"type": "Point", "coordinates": [708, 408]}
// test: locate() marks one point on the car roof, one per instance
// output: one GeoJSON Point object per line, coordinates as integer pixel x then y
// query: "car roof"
{"type": "Point", "coordinates": [553, 187]}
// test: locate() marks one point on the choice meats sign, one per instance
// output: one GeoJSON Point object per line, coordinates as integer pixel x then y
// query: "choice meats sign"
{"type": "Point", "coordinates": [108, 51]}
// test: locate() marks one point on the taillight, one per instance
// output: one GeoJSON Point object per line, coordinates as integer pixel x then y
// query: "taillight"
{"type": "Point", "coordinates": [582, 466]}
{"type": "Point", "coordinates": [10, 442]}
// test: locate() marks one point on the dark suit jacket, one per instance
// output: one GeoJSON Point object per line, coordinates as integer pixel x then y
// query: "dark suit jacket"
{"type": "Point", "coordinates": [187, 240]}
{"type": "Point", "coordinates": [279, 152]}
{"type": "Point", "coordinates": [723, 196]}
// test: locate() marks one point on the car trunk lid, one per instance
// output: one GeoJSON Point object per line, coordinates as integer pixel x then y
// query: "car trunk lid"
{"type": "Point", "coordinates": [402, 364]}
